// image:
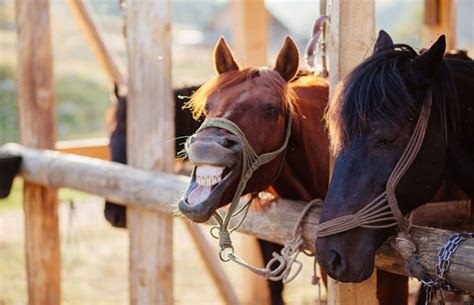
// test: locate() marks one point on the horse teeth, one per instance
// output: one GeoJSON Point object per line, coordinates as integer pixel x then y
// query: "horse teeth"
{"type": "Point", "coordinates": [208, 180]}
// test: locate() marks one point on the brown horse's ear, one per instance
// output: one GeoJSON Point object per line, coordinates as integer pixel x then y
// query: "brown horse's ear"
{"type": "Point", "coordinates": [224, 60]}
{"type": "Point", "coordinates": [288, 60]}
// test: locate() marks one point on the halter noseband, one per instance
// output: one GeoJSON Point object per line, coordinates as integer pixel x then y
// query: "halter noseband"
{"type": "Point", "coordinates": [250, 163]}
{"type": "Point", "coordinates": [383, 211]}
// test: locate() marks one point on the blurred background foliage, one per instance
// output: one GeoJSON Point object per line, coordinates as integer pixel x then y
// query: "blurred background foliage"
{"type": "Point", "coordinates": [82, 91]}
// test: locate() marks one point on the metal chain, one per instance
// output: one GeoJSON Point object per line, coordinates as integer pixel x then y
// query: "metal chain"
{"type": "Point", "coordinates": [435, 288]}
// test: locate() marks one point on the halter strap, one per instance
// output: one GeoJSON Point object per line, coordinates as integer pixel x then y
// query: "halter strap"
{"type": "Point", "coordinates": [383, 211]}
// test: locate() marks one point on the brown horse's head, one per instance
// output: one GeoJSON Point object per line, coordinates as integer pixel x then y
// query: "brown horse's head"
{"type": "Point", "coordinates": [257, 100]}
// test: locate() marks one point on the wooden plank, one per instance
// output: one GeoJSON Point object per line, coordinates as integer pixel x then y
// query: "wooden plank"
{"type": "Point", "coordinates": [94, 148]}
{"type": "Point", "coordinates": [351, 37]}
{"type": "Point", "coordinates": [439, 18]}
{"type": "Point", "coordinates": [250, 42]}
{"type": "Point", "coordinates": [36, 111]}
{"type": "Point", "coordinates": [159, 191]}
{"type": "Point", "coordinates": [212, 264]}
{"type": "Point", "coordinates": [93, 35]}
{"type": "Point", "coordinates": [150, 129]}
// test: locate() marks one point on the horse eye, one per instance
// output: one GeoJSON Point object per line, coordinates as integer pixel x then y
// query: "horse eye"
{"type": "Point", "coordinates": [272, 110]}
{"type": "Point", "coordinates": [384, 143]}
{"type": "Point", "coordinates": [207, 107]}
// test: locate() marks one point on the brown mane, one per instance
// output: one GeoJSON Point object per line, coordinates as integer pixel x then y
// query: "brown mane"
{"type": "Point", "coordinates": [267, 78]}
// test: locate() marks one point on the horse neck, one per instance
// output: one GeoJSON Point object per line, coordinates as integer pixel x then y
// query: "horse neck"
{"type": "Point", "coordinates": [461, 145]}
{"type": "Point", "coordinates": [305, 171]}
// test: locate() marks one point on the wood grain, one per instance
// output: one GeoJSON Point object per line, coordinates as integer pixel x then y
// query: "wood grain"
{"type": "Point", "coordinates": [150, 130]}
{"type": "Point", "coordinates": [351, 38]}
{"type": "Point", "coordinates": [36, 112]}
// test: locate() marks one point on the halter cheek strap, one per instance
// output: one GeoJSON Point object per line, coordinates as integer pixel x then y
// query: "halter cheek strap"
{"type": "Point", "coordinates": [383, 211]}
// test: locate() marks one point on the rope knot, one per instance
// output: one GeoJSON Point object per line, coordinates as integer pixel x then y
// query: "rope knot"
{"type": "Point", "coordinates": [224, 239]}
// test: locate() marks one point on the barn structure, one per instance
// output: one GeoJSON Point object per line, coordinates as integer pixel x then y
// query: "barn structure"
{"type": "Point", "coordinates": [149, 187]}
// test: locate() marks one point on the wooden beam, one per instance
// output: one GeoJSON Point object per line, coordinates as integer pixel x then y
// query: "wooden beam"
{"type": "Point", "coordinates": [150, 129]}
{"type": "Point", "coordinates": [93, 35]}
{"type": "Point", "coordinates": [94, 148]}
{"type": "Point", "coordinates": [351, 37]}
{"type": "Point", "coordinates": [159, 191]}
{"type": "Point", "coordinates": [250, 42]}
{"type": "Point", "coordinates": [212, 264]}
{"type": "Point", "coordinates": [36, 111]}
{"type": "Point", "coordinates": [439, 18]}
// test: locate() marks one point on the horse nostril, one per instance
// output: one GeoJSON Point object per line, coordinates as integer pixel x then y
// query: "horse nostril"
{"type": "Point", "coordinates": [336, 262]}
{"type": "Point", "coordinates": [191, 139]}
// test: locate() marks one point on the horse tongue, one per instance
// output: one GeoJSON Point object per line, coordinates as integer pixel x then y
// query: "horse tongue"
{"type": "Point", "coordinates": [199, 194]}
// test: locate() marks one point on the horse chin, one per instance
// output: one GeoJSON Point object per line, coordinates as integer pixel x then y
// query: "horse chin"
{"type": "Point", "coordinates": [364, 273]}
{"type": "Point", "coordinates": [205, 193]}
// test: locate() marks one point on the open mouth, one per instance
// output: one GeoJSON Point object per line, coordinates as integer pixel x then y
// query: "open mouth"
{"type": "Point", "coordinates": [204, 193]}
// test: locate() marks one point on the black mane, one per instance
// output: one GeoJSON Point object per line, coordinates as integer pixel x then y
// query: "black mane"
{"type": "Point", "coordinates": [377, 90]}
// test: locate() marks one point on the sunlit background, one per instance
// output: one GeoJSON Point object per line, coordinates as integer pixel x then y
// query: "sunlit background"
{"type": "Point", "coordinates": [95, 255]}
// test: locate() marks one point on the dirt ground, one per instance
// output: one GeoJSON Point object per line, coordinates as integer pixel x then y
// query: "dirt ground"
{"type": "Point", "coordinates": [95, 262]}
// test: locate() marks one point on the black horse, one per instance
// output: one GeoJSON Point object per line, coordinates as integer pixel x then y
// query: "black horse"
{"type": "Point", "coordinates": [185, 125]}
{"type": "Point", "coordinates": [370, 121]}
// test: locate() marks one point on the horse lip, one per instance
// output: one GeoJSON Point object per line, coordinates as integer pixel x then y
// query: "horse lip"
{"type": "Point", "coordinates": [202, 211]}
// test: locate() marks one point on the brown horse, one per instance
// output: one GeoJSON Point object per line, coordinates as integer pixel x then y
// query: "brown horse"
{"type": "Point", "coordinates": [257, 100]}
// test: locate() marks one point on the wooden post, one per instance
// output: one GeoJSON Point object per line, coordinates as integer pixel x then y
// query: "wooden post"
{"type": "Point", "coordinates": [439, 18]}
{"type": "Point", "coordinates": [250, 32]}
{"type": "Point", "coordinates": [351, 38]}
{"type": "Point", "coordinates": [150, 127]}
{"type": "Point", "coordinates": [36, 110]}
{"type": "Point", "coordinates": [94, 38]}
{"type": "Point", "coordinates": [250, 43]}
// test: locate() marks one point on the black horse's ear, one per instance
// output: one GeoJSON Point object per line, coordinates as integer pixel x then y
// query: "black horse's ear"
{"type": "Point", "coordinates": [288, 60]}
{"type": "Point", "coordinates": [224, 60]}
{"type": "Point", "coordinates": [424, 67]}
{"type": "Point", "coordinates": [384, 42]}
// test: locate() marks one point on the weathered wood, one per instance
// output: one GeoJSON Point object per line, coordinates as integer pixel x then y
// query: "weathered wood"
{"type": "Point", "coordinates": [36, 111]}
{"type": "Point", "coordinates": [159, 191]}
{"type": "Point", "coordinates": [351, 36]}
{"type": "Point", "coordinates": [250, 42]}
{"type": "Point", "coordinates": [94, 37]}
{"type": "Point", "coordinates": [150, 129]}
{"type": "Point", "coordinates": [94, 148]}
{"type": "Point", "coordinates": [343, 293]}
{"type": "Point", "coordinates": [208, 255]}
{"type": "Point", "coordinates": [250, 32]}
{"type": "Point", "coordinates": [439, 18]}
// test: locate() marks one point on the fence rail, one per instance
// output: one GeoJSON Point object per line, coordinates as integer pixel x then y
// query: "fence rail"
{"type": "Point", "coordinates": [159, 191]}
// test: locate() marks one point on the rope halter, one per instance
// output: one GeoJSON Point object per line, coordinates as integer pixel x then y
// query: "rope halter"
{"type": "Point", "coordinates": [250, 163]}
{"type": "Point", "coordinates": [383, 211]}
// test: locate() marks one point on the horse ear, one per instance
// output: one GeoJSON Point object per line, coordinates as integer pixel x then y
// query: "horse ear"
{"type": "Point", "coordinates": [424, 67]}
{"type": "Point", "coordinates": [224, 60]}
{"type": "Point", "coordinates": [288, 60]}
{"type": "Point", "coordinates": [384, 42]}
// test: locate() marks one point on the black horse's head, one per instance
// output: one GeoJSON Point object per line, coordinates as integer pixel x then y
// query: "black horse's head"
{"type": "Point", "coordinates": [371, 119]}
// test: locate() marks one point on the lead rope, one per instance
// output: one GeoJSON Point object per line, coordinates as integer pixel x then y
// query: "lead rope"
{"type": "Point", "coordinates": [281, 266]}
